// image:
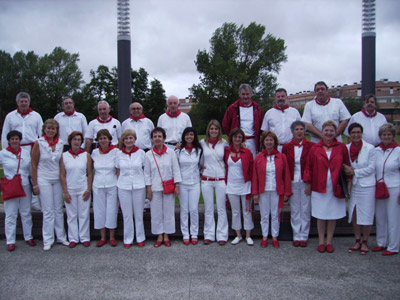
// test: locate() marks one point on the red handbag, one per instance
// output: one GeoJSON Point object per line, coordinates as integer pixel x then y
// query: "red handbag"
{"type": "Point", "coordinates": [381, 190]}
{"type": "Point", "coordinates": [12, 188]}
{"type": "Point", "coordinates": [168, 185]}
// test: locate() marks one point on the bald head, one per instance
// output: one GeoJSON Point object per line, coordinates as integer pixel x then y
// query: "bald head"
{"type": "Point", "coordinates": [172, 104]}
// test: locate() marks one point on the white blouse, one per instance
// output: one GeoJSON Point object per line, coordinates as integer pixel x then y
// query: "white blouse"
{"type": "Point", "coordinates": [131, 175]}
{"type": "Point", "coordinates": [49, 161]}
{"type": "Point", "coordinates": [104, 166]}
{"type": "Point", "coordinates": [270, 176]}
{"type": "Point", "coordinates": [189, 165]}
{"type": "Point", "coordinates": [214, 159]}
{"type": "Point", "coordinates": [364, 165]}
{"type": "Point", "coordinates": [76, 171]}
{"type": "Point", "coordinates": [10, 164]}
{"type": "Point", "coordinates": [235, 183]}
{"type": "Point", "coordinates": [392, 167]}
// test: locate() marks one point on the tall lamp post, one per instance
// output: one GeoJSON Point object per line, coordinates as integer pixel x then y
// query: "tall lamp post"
{"type": "Point", "coordinates": [124, 59]}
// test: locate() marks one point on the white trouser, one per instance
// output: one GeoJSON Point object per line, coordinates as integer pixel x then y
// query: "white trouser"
{"type": "Point", "coordinates": [105, 207]}
{"type": "Point", "coordinates": [162, 213]}
{"type": "Point", "coordinates": [189, 196]}
{"type": "Point", "coordinates": [78, 218]}
{"type": "Point", "coordinates": [300, 212]}
{"type": "Point", "coordinates": [207, 189]}
{"type": "Point", "coordinates": [11, 208]}
{"type": "Point", "coordinates": [251, 145]}
{"type": "Point", "coordinates": [132, 203]}
{"type": "Point", "coordinates": [236, 218]}
{"type": "Point", "coordinates": [387, 217]}
{"type": "Point", "coordinates": [51, 201]}
{"type": "Point", "coordinates": [269, 202]}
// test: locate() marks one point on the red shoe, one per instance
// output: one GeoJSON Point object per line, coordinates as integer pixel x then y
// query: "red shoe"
{"type": "Point", "coordinates": [101, 243]}
{"type": "Point", "coordinates": [167, 243]}
{"type": "Point", "coordinates": [157, 244]}
{"type": "Point", "coordinates": [127, 246]}
{"type": "Point", "coordinates": [303, 244]}
{"type": "Point", "coordinates": [329, 248]}
{"type": "Point", "coordinates": [321, 248]}
{"type": "Point", "coordinates": [86, 244]}
{"type": "Point", "coordinates": [221, 243]}
{"type": "Point", "coordinates": [296, 243]}
{"type": "Point", "coordinates": [186, 242]}
{"type": "Point", "coordinates": [357, 248]}
{"type": "Point", "coordinates": [194, 242]}
{"type": "Point", "coordinates": [264, 243]}
{"type": "Point", "coordinates": [207, 242]}
{"type": "Point", "coordinates": [364, 251]}
{"type": "Point", "coordinates": [275, 243]}
{"type": "Point", "coordinates": [113, 243]}
{"type": "Point", "coordinates": [141, 244]}
{"type": "Point", "coordinates": [31, 243]}
{"type": "Point", "coordinates": [11, 247]}
{"type": "Point", "coordinates": [72, 245]}
{"type": "Point", "coordinates": [388, 253]}
{"type": "Point", "coordinates": [378, 249]}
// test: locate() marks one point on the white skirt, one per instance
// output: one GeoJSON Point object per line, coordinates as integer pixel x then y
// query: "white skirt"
{"type": "Point", "coordinates": [363, 199]}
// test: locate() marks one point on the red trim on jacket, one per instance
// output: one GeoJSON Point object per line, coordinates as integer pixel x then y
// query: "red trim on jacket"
{"type": "Point", "coordinates": [288, 150]}
{"type": "Point", "coordinates": [247, 162]}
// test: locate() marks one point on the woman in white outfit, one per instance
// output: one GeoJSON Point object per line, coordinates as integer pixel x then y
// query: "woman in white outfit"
{"type": "Point", "coordinates": [189, 156]}
{"type": "Point", "coordinates": [105, 201]}
{"type": "Point", "coordinates": [46, 154]}
{"type": "Point", "coordinates": [161, 166]}
{"type": "Point", "coordinates": [239, 163]}
{"type": "Point", "coordinates": [17, 160]}
{"type": "Point", "coordinates": [131, 188]}
{"type": "Point", "coordinates": [362, 199]}
{"type": "Point", "coordinates": [387, 211]}
{"type": "Point", "coordinates": [76, 175]}
{"type": "Point", "coordinates": [213, 180]}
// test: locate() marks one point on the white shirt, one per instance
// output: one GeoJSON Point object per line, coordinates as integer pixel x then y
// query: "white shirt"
{"type": "Point", "coordinates": [392, 167]}
{"type": "Point", "coordinates": [131, 175]}
{"type": "Point", "coordinates": [30, 126]}
{"type": "Point", "coordinates": [75, 122]}
{"type": "Point", "coordinates": [10, 164]}
{"type": "Point", "coordinates": [189, 165]}
{"type": "Point", "coordinates": [214, 159]}
{"type": "Point", "coordinates": [297, 164]}
{"type": "Point", "coordinates": [174, 126]}
{"type": "Point", "coordinates": [76, 171]}
{"type": "Point", "coordinates": [114, 127]}
{"type": "Point", "coordinates": [247, 120]}
{"type": "Point", "coordinates": [370, 126]}
{"type": "Point", "coordinates": [169, 168]}
{"type": "Point", "coordinates": [235, 181]}
{"type": "Point", "coordinates": [364, 165]}
{"type": "Point", "coordinates": [49, 161]}
{"type": "Point", "coordinates": [270, 178]}
{"type": "Point", "coordinates": [317, 114]}
{"type": "Point", "coordinates": [143, 128]}
{"type": "Point", "coordinates": [279, 122]}
{"type": "Point", "coordinates": [104, 166]}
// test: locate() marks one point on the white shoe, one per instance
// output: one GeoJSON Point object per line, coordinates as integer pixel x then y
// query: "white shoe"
{"type": "Point", "coordinates": [65, 243]}
{"type": "Point", "coordinates": [236, 240]}
{"type": "Point", "coordinates": [249, 241]}
{"type": "Point", "coordinates": [46, 247]}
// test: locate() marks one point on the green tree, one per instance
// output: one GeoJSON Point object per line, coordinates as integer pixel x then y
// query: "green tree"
{"type": "Point", "coordinates": [353, 105]}
{"type": "Point", "coordinates": [154, 105]}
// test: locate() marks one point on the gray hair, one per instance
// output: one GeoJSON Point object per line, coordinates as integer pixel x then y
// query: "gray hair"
{"type": "Point", "coordinates": [21, 95]}
{"type": "Point", "coordinates": [387, 127]}
{"type": "Point", "coordinates": [246, 87]}
{"type": "Point", "coordinates": [140, 105]}
{"type": "Point", "coordinates": [297, 123]}
{"type": "Point", "coordinates": [65, 98]}
{"type": "Point", "coordinates": [103, 102]}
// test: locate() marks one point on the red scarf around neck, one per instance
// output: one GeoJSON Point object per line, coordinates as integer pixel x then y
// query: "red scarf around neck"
{"type": "Point", "coordinates": [391, 145]}
{"type": "Point", "coordinates": [294, 143]}
{"type": "Point", "coordinates": [212, 142]}
{"type": "Point", "coordinates": [333, 144]}
{"type": "Point", "coordinates": [51, 144]}
{"type": "Point", "coordinates": [273, 152]}
{"type": "Point", "coordinates": [355, 150]}
{"type": "Point", "coordinates": [110, 147]}
{"type": "Point", "coordinates": [164, 149]}
{"type": "Point", "coordinates": [13, 151]}
{"type": "Point", "coordinates": [234, 150]}
{"type": "Point", "coordinates": [189, 148]}
{"type": "Point", "coordinates": [241, 104]}
{"type": "Point", "coordinates": [323, 104]}
{"type": "Point", "coordinates": [80, 151]}
{"type": "Point", "coordinates": [178, 112]}
{"type": "Point", "coordinates": [69, 114]}
{"type": "Point", "coordinates": [369, 115]}
{"type": "Point", "coordinates": [25, 113]}
{"type": "Point", "coordinates": [106, 121]}
{"type": "Point", "coordinates": [133, 150]}
{"type": "Point", "coordinates": [137, 118]}
{"type": "Point", "coordinates": [286, 106]}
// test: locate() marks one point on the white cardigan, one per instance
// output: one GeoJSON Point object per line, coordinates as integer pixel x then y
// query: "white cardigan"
{"type": "Point", "coordinates": [364, 165]}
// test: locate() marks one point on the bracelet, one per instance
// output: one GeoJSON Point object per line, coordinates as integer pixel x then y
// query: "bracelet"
{"type": "Point", "coordinates": [35, 186]}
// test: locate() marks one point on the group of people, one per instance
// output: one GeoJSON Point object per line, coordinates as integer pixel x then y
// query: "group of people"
{"type": "Point", "coordinates": [266, 160]}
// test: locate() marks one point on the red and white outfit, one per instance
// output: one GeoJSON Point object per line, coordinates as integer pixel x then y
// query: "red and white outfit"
{"type": "Point", "coordinates": [213, 180]}
{"type": "Point", "coordinates": [51, 197]}
{"type": "Point", "coordinates": [143, 127]}
{"type": "Point", "coordinates": [317, 114]}
{"type": "Point", "coordinates": [238, 187]}
{"type": "Point", "coordinates": [162, 206]}
{"type": "Point", "coordinates": [300, 203]}
{"type": "Point", "coordinates": [111, 124]}
{"type": "Point", "coordinates": [189, 190]}
{"type": "Point", "coordinates": [174, 126]}
{"type": "Point", "coordinates": [132, 192]}
{"type": "Point", "coordinates": [362, 199]}
{"type": "Point", "coordinates": [248, 118]}
{"type": "Point", "coordinates": [271, 180]}
{"type": "Point", "coordinates": [387, 211]}
{"type": "Point", "coordinates": [370, 124]}
{"type": "Point", "coordinates": [278, 120]}
{"type": "Point", "coordinates": [78, 210]}
{"type": "Point", "coordinates": [105, 200]}
{"type": "Point", "coordinates": [322, 171]}
{"type": "Point", "coordinates": [11, 207]}
{"type": "Point", "coordinates": [75, 121]}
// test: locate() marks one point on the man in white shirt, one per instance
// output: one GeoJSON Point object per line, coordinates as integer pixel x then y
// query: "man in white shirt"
{"type": "Point", "coordinates": [322, 109]}
{"type": "Point", "coordinates": [370, 120]}
{"type": "Point", "coordinates": [173, 121]}
{"type": "Point", "coordinates": [103, 121]}
{"type": "Point", "coordinates": [279, 118]}
{"type": "Point", "coordinates": [70, 120]}
{"type": "Point", "coordinates": [140, 124]}
{"type": "Point", "coordinates": [23, 119]}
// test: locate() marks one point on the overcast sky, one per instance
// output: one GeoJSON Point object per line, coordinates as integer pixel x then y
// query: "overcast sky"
{"type": "Point", "coordinates": [323, 37]}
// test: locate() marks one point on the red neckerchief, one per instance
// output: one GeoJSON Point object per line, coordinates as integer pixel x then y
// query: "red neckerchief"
{"type": "Point", "coordinates": [233, 150]}
{"type": "Point", "coordinates": [69, 114]}
{"type": "Point", "coordinates": [80, 151]}
{"type": "Point", "coordinates": [110, 147]}
{"type": "Point", "coordinates": [323, 104]}
{"type": "Point", "coordinates": [25, 113]}
{"type": "Point", "coordinates": [164, 149]}
{"type": "Point", "coordinates": [368, 115]}
{"type": "Point", "coordinates": [106, 121]}
{"type": "Point", "coordinates": [391, 145]}
{"type": "Point", "coordinates": [286, 106]}
{"type": "Point", "coordinates": [333, 144]}
{"type": "Point", "coordinates": [189, 148]}
{"type": "Point", "coordinates": [178, 112]}
{"type": "Point", "coordinates": [212, 142]}
{"type": "Point", "coordinates": [273, 152]}
{"type": "Point", "coordinates": [137, 118]}
{"type": "Point", "coordinates": [51, 144]}
{"type": "Point", "coordinates": [355, 150]}
{"type": "Point", "coordinates": [294, 143]}
{"type": "Point", "coordinates": [241, 104]}
{"type": "Point", "coordinates": [133, 150]}
{"type": "Point", "coordinates": [13, 151]}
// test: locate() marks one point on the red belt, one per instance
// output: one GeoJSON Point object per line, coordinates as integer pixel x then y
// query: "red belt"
{"type": "Point", "coordinates": [249, 137]}
{"type": "Point", "coordinates": [27, 144]}
{"type": "Point", "coordinates": [205, 178]}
